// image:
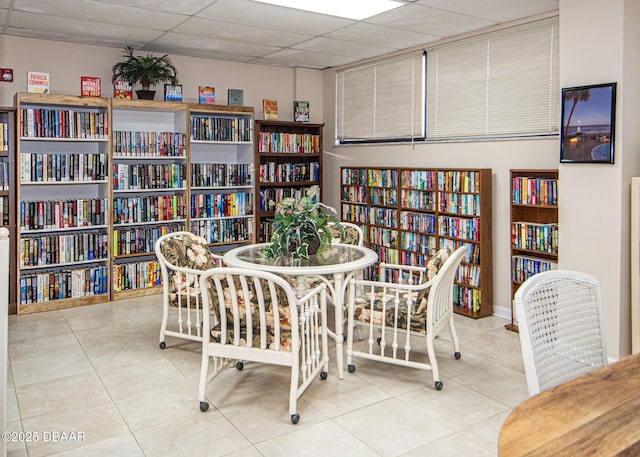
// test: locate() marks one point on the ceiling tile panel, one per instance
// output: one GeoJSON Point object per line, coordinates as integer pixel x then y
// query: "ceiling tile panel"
{"type": "Point", "coordinates": [342, 48]}
{"type": "Point", "coordinates": [3, 15]}
{"type": "Point", "coordinates": [212, 44]}
{"type": "Point", "coordinates": [199, 52]}
{"type": "Point", "coordinates": [188, 7]}
{"type": "Point", "coordinates": [362, 32]}
{"type": "Point", "coordinates": [494, 10]}
{"type": "Point", "coordinates": [61, 36]}
{"type": "Point", "coordinates": [301, 58]}
{"type": "Point", "coordinates": [239, 32]}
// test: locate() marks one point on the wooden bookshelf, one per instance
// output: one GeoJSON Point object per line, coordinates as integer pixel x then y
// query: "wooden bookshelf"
{"type": "Point", "coordinates": [534, 222]}
{"type": "Point", "coordinates": [288, 160]}
{"type": "Point", "coordinates": [8, 193]}
{"type": "Point", "coordinates": [408, 214]}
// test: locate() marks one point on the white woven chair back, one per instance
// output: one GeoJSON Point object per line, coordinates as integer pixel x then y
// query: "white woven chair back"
{"type": "Point", "coordinates": [560, 324]}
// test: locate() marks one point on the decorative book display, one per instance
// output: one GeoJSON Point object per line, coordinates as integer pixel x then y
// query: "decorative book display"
{"type": "Point", "coordinates": [90, 86]}
{"type": "Point", "coordinates": [301, 111]}
{"type": "Point", "coordinates": [38, 82]}
{"type": "Point", "coordinates": [172, 93]}
{"type": "Point", "coordinates": [122, 89]}
{"type": "Point", "coordinates": [270, 108]}
{"type": "Point", "coordinates": [207, 95]}
{"type": "Point", "coordinates": [235, 97]}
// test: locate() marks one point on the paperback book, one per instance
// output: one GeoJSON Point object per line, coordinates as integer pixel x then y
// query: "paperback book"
{"type": "Point", "coordinates": [122, 89]}
{"type": "Point", "coordinates": [38, 82]}
{"type": "Point", "coordinates": [270, 108]}
{"type": "Point", "coordinates": [301, 111]}
{"type": "Point", "coordinates": [172, 93]}
{"type": "Point", "coordinates": [235, 97]}
{"type": "Point", "coordinates": [207, 95]}
{"type": "Point", "coordinates": [90, 86]}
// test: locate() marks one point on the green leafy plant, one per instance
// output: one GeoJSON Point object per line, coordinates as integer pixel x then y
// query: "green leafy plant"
{"type": "Point", "coordinates": [301, 227]}
{"type": "Point", "coordinates": [149, 70]}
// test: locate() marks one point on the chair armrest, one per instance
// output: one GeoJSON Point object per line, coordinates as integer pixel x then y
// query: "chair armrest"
{"type": "Point", "coordinates": [404, 271]}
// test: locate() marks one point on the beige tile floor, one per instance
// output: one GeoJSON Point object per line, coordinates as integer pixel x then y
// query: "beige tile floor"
{"type": "Point", "coordinates": [98, 370]}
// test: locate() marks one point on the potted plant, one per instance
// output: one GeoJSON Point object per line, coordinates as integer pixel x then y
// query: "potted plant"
{"type": "Point", "coordinates": [148, 70]}
{"type": "Point", "coordinates": [301, 227]}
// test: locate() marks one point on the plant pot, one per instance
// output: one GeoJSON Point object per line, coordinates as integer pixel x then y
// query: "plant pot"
{"type": "Point", "coordinates": [145, 94]}
{"type": "Point", "coordinates": [312, 243]}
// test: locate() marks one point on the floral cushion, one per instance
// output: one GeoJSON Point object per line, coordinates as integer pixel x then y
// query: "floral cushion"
{"type": "Point", "coordinates": [350, 235]}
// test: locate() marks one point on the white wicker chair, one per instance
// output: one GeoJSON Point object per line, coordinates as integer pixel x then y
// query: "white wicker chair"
{"type": "Point", "coordinates": [413, 308]}
{"type": "Point", "coordinates": [560, 325]}
{"type": "Point", "coordinates": [260, 319]}
{"type": "Point", "coordinates": [183, 257]}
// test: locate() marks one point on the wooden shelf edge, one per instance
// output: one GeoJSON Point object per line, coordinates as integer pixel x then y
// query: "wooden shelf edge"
{"type": "Point", "coordinates": [64, 303]}
{"type": "Point", "coordinates": [134, 293]}
{"type": "Point", "coordinates": [512, 327]}
{"type": "Point", "coordinates": [487, 311]}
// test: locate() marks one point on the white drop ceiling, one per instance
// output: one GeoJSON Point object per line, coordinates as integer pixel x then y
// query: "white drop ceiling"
{"type": "Point", "coordinates": [253, 32]}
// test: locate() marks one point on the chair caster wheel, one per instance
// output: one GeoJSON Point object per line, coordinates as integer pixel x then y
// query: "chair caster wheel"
{"type": "Point", "coordinates": [295, 418]}
{"type": "Point", "coordinates": [351, 368]}
{"type": "Point", "coordinates": [323, 375]}
{"type": "Point", "coordinates": [204, 406]}
{"type": "Point", "coordinates": [457, 355]}
{"type": "Point", "coordinates": [162, 345]}
{"type": "Point", "coordinates": [438, 385]}
{"type": "Point", "coordinates": [239, 366]}
{"type": "Point", "coordinates": [378, 340]}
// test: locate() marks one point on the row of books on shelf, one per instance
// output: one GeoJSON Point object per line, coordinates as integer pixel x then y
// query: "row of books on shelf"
{"type": "Point", "coordinates": [418, 222]}
{"type": "Point", "coordinates": [5, 211]}
{"type": "Point", "coordinates": [523, 267]}
{"type": "Point", "coordinates": [418, 199]}
{"type": "Point", "coordinates": [156, 208]}
{"type": "Point", "coordinates": [418, 243]}
{"type": "Point", "coordinates": [149, 176]}
{"type": "Point", "coordinates": [535, 191]}
{"type": "Point", "coordinates": [230, 204]}
{"type": "Point", "coordinates": [224, 230]}
{"type": "Point", "coordinates": [443, 180]}
{"type": "Point", "coordinates": [383, 216]}
{"type": "Point", "coordinates": [456, 227]}
{"type": "Point", "coordinates": [63, 214]}
{"type": "Point", "coordinates": [63, 249]}
{"type": "Point", "coordinates": [221, 174]}
{"type": "Point", "coordinates": [382, 236]}
{"type": "Point", "coordinates": [269, 197]}
{"type": "Point", "coordinates": [149, 144]}
{"type": "Point", "coordinates": [466, 298]}
{"type": "Point", "coordinates": [71, 167]}
{"type": "Point", "coordinates": [382, 178]}
{"type": "Point", "coordinates": [217, 128]}
{"type": "Point", "coordinates": [136, 275]}
{"type": "Point", "coordinates": [289, 172]}
{"type": "Point", "coordinates": [467, 204]}
{"type": "Point", "coordinates": [275, 142]}
{"type": "Point", "coordinates": [265, 229]}
{"type": "Point", "coordinates": [354, 177]}
{"type": "Point", "coordinates": [4, 175]}
{"type": "Point", "coordinates": [473, 250]}
{"type": "Point", "coordinates": [535, 237]}
{"type": "Point", "coordinates": [458, 181]}
{"type": "Point", "coordinates": [383, 196]}
{"type": "Point", "coordinates": [71, 283]}
{"type": "Point", "coordinates": [354, 194]}
{"type": "Point", "coordinates": [4, 136]}
{"type": "Point", "coordinates": [355, 213]}
{"type": "Point", "coordinates": [419, 179]}
{"type": "Point", "coordinates": [468, 275]}
{"type": "Point", "coordinates": [140, 240]}
{"type": "Point", "coordinates": [63, 123]}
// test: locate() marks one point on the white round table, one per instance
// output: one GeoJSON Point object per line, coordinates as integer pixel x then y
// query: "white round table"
{"type": "Point", "coordinates": [340, 262]}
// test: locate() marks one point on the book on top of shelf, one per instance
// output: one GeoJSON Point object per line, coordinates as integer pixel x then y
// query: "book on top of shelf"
{"type": "Point", "coordinates": [301, 111]}
{"type": "Point", "coordinates": [207, 95]}
{"type": "Point", "coordinates": [270, 108]}
{"type": "Point", "coordinates": [90, 86]}
{"type": "Point", "coordinates": [235, 97]}
{"type": "Point", "coordinates": [173, 93]}
{"type": "Point", "coordinates": [38, 82]}
{"type": "Point", "coordinates": [122, 89]}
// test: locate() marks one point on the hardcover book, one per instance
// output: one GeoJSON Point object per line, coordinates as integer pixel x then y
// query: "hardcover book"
{"type": "Point", "coordinates": [207, 95]}
{"type": "Point", "coordinates": [122, 89]}
{"type": "Point", "coordinates": [270, 108]}
{"type": "Point", "coordinates": [38, 82]}
{"type": "Point", "coordinates": [172, 93]}
{"type": "Point", "coordinates": [301, 111]}
{"type": "Point", "coordinates": [235, 97]}
{"type": "Point", "coordinates": [90, 86]}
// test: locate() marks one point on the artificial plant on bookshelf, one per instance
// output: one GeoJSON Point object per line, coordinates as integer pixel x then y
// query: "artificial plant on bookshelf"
{"type": "Point", "coordinates": [8, 191]}
{"type": "Point", "coordinates": [288, 158]}
{"type": "Point", "coordinates": [63, 194]}
{"type": "Point", "coordinates": [408, 214]}
{"type": "Point", "coordinates": [222, 174]}
{"type": "Point", "coordinates": [149, 188]}
{"type": "Point", "coordinates": [534, 227]}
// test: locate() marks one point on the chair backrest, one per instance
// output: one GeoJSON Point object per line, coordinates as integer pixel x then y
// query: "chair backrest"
{"type": "Point", "coordinates": [440, 298]}
{"type": "Point", "coordinates": [185, 250]}
{"type": "Point", "coordinates": [352, 233]}
{"type": "Point", "coordinates": [560, 325]}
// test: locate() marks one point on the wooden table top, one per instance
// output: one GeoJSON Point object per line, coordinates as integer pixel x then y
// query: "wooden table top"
{"type": "Point", "coordinates": [597, 414]}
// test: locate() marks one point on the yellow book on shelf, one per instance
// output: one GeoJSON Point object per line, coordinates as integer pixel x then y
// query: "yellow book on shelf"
{"type": "Point", "coordinates": [270, 108]}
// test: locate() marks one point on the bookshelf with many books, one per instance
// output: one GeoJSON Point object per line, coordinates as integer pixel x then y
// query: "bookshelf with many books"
{"type": "Point", "coordinates": [288, 160]}
{"type": "Point", "coordinates": [8, 192]}
{"type": "Point", "coordinates": [62, 174]}
{"type": "Point", "coordinates": [534, 227]}
{"type": "Point", "coordinates": [149, 188]}
{"type": "Point", "coordinates": [222, 174]}
{"type": "Point", "coordinates": [408, 214]}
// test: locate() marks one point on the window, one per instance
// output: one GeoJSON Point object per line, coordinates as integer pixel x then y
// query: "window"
{"type": "Point", "coordinates": [498, 84]}
{"type": "Point", "coordinates": [382, 101]}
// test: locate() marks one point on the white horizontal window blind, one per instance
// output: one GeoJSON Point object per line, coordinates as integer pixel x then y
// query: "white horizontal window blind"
{"type": "Point", "coordinates": [503, 83]}
{"type": "Point", "coordinates": [382, 101]}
